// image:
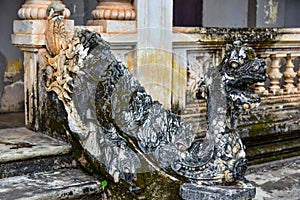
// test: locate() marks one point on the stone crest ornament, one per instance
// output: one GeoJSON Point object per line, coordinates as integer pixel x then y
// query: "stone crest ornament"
{"type": "Point", "coordinates": [65, 54]}
{"type": "Point", "coordinates": [121, 127]}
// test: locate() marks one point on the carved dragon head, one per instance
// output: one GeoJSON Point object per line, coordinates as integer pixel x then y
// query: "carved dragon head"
{"type": "Point", "coordinates": [240, 69]}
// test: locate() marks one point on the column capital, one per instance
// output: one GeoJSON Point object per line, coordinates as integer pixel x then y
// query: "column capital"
{"type": "Point", "coordinates": [36, 9]}
{"type": "Point", "coordinates": [114, 10]}
{"type": "Point", "coordinates": [114, 16]}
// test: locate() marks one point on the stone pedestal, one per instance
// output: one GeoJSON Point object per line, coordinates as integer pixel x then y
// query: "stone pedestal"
{"type": "Point", "coordinates": [239, 191]}
{"type": "Point", "coordinates": [29, 36]}
{"type": "Point", "coordinates": [114, 26]}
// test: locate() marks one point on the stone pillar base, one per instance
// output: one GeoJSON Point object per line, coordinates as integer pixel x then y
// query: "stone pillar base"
{"type": "Point", "coordinates": [241, 190]}
{"type": "Point", "coordinates": [114, 26]}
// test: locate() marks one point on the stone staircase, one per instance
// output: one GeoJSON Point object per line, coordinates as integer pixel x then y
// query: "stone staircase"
{"type": "Point", "coordinates": [195, 114]}
{"type": "Point", "coordinates": [273, 129]}
{"type": "Point", "coordinates": [36, 166]}
{"type": "Point", "coordinates": [270, 132]}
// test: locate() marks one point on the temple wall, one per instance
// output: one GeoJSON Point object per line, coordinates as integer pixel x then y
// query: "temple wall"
{"type": "Point", "coordinates": [11, 67]}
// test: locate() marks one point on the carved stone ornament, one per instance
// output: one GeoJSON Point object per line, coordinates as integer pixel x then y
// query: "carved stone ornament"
{"type": "Point", "coordinates": [243, 34]}
{"type": "Point", "coordinates": [120, 126]}
{"type": "Point", "coordinates": [66, 55]}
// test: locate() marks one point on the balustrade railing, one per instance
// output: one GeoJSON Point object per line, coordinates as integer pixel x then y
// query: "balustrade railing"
{"type": "Point", "coordinates": [283, 74]}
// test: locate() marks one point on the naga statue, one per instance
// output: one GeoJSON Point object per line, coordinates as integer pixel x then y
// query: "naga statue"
{"type": "Point", "coordinates": [120, 126]}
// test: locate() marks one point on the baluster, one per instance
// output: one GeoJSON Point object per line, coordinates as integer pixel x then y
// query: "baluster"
{"type": "Point", "coordinates": [274, 74]}
{"type": "Point", "coordinates": [289, 75]}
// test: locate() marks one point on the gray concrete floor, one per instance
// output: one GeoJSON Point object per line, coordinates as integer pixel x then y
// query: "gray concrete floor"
{"type": "Point", "coordinates": [276, 180]}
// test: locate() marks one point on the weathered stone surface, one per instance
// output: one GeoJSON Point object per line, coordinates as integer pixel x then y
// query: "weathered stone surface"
{"type": "Point", "coordinates": [276, 180]}
{"type": "Point", "coordinates": [122, 128]}
{"type": "Point", "coordinates": [22, 144]}
{"type": "Point", "coordinates": [238, 191]}
{"type": "Point", "coordinates": [13, 98]}
{"type": "Point", "coordinates": [114, 26]}
{"type": "Point", "coordinates": [270, 131]}
{"type": "Point", "coordinates": [29, 26]}
{"type": "Point", "coordinates": [11, 120]}
{"type": "Point", "coordinates": [60, 184]}
{"type": "Point", "coordinates": [127, 133]}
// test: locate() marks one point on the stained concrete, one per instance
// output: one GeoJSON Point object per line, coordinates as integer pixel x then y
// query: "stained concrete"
{"type": "Point", "coordinates": [36, 166]}
{"type": "Point", "coordinates": [278, 180]}
{"type": "Point", "coordinates": [13, 98]}
{"type": "Point", "coordinates": [21, 144]}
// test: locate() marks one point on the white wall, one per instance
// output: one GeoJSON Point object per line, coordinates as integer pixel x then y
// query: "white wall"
{"type": "Point", "coordinates": [225, 13]}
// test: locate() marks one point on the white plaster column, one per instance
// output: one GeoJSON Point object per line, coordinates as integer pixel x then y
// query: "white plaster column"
{"type": "Point", "coordinates": [114, 16]}
{"type": "Point", "coordinates": [29, 36]}
{"type": "Point", "coordinates": [154, 48]}
{"type": "Point", "coordinates": [179, 79]}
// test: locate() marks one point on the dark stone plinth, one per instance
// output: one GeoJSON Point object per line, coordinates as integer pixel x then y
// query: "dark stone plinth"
{"type": "Point", "coordinates": [241, 190]}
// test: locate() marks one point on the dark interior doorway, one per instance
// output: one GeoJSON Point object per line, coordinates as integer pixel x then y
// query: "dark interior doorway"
{"type": "Point", "coordinates": [187, 13]}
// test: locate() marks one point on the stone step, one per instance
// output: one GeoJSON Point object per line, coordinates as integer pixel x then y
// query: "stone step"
{"type": "Point", "coordinates": [59, 184]}
{"type": "Point", "coordinates": [273, 151]}
{"type": "Point", "coordinates": [23, 151]}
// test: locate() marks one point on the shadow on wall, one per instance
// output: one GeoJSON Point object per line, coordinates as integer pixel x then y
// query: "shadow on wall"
{"type": "Point", "coordinates": [3, 64]}
{"type": "Point", "coordinates": [11, 58]}
{"type": "Point", "coordinates": [11, 89]}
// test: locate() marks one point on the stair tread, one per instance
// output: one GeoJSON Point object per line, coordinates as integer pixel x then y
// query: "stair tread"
{"type": "Point", "coordinates": [22, 144]}
{"type": "Point", "coordinates": [59, 184]}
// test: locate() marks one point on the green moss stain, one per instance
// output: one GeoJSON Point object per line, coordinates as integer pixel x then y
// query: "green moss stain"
{"type": "Point", "coordinates": [155, 187]}
{"type": "Point", "coordinates": [251, 35]}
